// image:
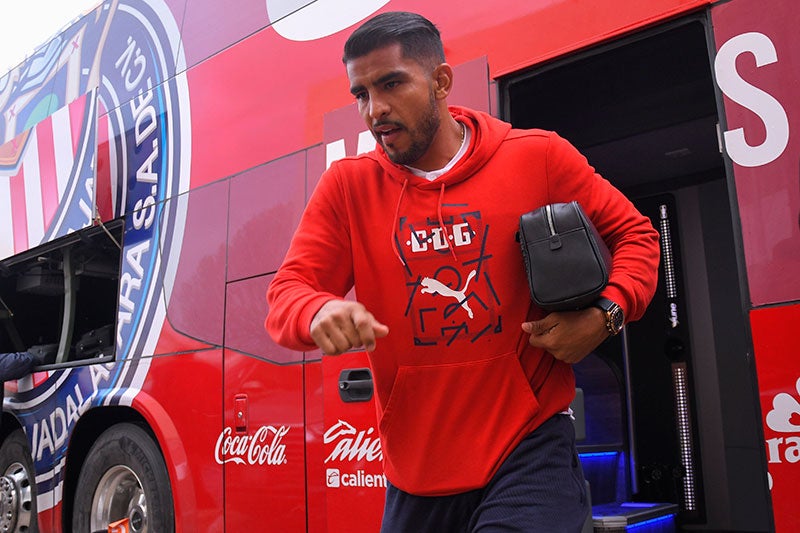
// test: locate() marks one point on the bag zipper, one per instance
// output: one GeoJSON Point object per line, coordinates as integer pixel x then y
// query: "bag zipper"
{"type": "Point", "coordinates": [548, 211]}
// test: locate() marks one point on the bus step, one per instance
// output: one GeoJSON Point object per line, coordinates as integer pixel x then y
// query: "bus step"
{"type": "Point", "coordinates": [634, 516]}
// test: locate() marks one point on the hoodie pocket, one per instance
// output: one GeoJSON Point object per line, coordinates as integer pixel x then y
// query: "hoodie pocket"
{"type": "Point", "coordinates": [447, 427]}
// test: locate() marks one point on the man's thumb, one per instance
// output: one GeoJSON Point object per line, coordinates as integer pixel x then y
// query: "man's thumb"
{"type": "Point", "coordinates": [380, 330]}
{"type": "Point", "coordinates": [537, 327]}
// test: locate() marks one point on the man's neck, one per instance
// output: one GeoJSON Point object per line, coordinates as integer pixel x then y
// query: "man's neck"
{"type": "Point", "coordinates": [431, 175]}
{"type": "Point", "coordinates": [444, 147]}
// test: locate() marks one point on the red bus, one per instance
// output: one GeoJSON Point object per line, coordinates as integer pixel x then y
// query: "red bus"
{"type": "Point", "coordinates": [156, 155]}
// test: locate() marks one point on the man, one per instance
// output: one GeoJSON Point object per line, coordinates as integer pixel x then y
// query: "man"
{"type": "Point", "coordinates": [473, 383]}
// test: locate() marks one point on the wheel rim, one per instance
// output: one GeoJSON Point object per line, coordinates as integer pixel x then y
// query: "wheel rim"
{"type": "Point", "coordinates": [119, 495]}
{"type": "Point", "coordinates": [15, 499]}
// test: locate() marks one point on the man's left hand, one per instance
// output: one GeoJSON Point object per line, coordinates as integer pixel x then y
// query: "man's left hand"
{"type": "Point", "coordinates": [568, 335]}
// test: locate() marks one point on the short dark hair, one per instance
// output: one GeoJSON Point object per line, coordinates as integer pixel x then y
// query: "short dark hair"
{"type": "Point", "coordinates": [418, 38]}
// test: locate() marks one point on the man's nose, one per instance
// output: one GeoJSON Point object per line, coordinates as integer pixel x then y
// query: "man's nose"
{"type": "Point", "coordinates": [378, 107]}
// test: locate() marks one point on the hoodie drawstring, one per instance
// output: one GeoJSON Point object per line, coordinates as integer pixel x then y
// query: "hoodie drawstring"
{"type": "Point", "coordinates": [394, 223]}
{"type": "Point", "coordinates": [441, 224]}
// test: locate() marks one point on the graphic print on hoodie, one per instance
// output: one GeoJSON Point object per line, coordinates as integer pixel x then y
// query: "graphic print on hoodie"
{"type": "Point", "coordinates": [454, 300]}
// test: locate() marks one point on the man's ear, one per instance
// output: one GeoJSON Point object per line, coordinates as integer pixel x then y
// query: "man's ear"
{"type": "Point", "coordinates": [442, 81]}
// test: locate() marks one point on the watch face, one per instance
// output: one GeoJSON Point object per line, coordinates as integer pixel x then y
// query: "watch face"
{"type": "Point", "coordinates": [616, 318]}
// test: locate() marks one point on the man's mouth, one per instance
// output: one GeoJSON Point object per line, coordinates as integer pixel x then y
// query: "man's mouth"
{"type": "Point", "coordinates": [387, 133]}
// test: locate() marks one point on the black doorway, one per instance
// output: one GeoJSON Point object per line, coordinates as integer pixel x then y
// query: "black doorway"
{"type": "Point", "coordinates": [676, 396]}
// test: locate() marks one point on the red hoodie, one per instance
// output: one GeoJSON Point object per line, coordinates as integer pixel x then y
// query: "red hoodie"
{"type": "Point", "coordinates": [457, 384]}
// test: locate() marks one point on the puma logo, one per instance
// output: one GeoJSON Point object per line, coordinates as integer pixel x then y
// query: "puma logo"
{"type": "Point", "coordinates": [434, 286]}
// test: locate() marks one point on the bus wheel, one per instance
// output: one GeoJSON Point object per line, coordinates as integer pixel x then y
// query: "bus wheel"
{"type": "Point", "coordinates": [124, 478]}
{"type": "Point", "coordinates": [17, 491]}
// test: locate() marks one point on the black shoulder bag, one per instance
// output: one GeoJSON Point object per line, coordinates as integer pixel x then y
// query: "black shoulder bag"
{"type": "Point", "coordinates": [565, 258]}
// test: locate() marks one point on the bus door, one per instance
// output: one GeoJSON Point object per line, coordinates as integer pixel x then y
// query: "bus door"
{"type": "Point", "coordinates": [262, 443]}
{"type": "Point", "coordinates": [756, 67]}
{"type": "Point", "coordinates": [672, 430]}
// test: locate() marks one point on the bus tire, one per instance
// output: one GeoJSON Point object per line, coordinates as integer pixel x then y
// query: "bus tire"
{"type": "Point", "coordinates": [124, 476]}
{"type": "Point", "coordinates": [17, 486]}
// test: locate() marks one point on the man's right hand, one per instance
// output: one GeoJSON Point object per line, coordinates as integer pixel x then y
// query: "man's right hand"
{"type": "Point", "coordinates": [340, 325]}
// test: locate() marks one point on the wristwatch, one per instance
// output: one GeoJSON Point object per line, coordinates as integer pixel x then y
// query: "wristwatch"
{"type": "Point", "coordinates": [615, 317]}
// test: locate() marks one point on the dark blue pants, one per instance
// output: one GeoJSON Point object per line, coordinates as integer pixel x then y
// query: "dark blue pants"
{"type": "Point", "coordinates": [539, 488]}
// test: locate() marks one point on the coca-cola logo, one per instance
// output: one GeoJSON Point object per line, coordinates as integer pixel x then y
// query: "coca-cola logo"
{"type": "Point", "coordinates": [264, 447]}
{"type": "Point", "coordinates": [352, 444]}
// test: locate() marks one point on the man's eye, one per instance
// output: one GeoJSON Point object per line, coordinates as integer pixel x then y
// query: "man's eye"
{"type": "Point", "coordinates": [360, 97]}
{"type": "Point", "coordinates": [392, 84]}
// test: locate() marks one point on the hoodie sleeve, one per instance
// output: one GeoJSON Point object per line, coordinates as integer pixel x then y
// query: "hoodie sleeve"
{"type": "Point", "coordinates": [630, 236]}
{"type": "Point", "coordinates": [317, 267]}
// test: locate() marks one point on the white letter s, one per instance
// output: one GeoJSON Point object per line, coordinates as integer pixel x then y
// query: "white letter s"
{"type": "Point", "coordinates": [761, 103]}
